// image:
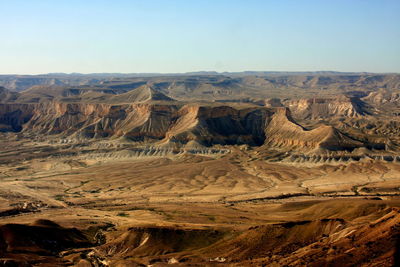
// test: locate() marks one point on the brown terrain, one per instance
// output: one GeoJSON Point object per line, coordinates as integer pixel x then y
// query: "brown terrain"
{"type": "Point", "coordinates": [240, 169]}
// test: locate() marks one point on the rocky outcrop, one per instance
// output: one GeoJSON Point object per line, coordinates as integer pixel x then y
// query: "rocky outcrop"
{"type": "Point", "coordinates": [219, 125]}
{"type": "Point", "coordinates": [14, 116]}
{"type": "Point", "coordinates": [171, 124]}
{"type": "Point", "coordinates": [273, 103]}
{"type": "Point", "coordinates": [317, 108]}
{"type": "Point", "coordinates": [383, 96]}
{"type": "Point", "coordinates": [85, 120]}
{"type": "Point", "coordinates": [207, 125]}
{"type": "Point", "coordinates": [282, 131]}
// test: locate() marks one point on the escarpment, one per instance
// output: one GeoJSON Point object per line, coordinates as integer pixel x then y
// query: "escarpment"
{"type": "Point", "coordinates": [148, 117]}
{"type": "Point", "coordinates": [202, 170]}
{"type": "Point", "coordinates": [317, 108]}
{"type": "Point", "coordinates": [13, 116]}
{"type": "Point", "coordinates": [86, 120]}
{"type": "Point", "coordinates": [219, 125]}
{"type": "Point", "coordinates": [283, 132]}
{"type": "Point", "coordinates": [138, 121]}
{"type": "Point", "coordinates": [176, 123]}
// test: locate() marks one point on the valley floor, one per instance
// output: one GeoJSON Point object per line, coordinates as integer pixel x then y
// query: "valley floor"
{"type": "Point", "coordinates": [233, 208]}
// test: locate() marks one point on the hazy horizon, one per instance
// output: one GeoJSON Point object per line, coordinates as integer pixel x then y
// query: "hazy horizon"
{"type": "Point", "coordinates": [200, 72]}
{"type": "Point", "coordinates": [41, 37]}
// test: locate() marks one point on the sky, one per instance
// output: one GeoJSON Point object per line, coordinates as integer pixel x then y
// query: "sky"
{"type": "Point", "coordinates": [173, 36]}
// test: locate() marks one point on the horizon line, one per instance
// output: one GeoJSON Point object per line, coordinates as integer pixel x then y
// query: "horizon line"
{"type": "Point", "coordinates": [200, 72]}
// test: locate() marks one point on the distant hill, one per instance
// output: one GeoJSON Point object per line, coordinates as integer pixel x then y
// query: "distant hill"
{"type": "Point", "coordinates": [7, 96]}
{"type": "Point", "coordinates": [249, 80]}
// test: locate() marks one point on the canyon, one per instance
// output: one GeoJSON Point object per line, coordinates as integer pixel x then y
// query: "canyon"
{"type": "Point", "coordinates": [200, 169]}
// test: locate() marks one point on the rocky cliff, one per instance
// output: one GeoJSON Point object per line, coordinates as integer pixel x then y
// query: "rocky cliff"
{"type": "Point", "coordinates": [282, 131]}
{"type": "Point", "coordinates": [317, 108]}
{"type": "Point", "coordinates": [138, 121]}
{"type": "Point", "coordinates": [175, 124]}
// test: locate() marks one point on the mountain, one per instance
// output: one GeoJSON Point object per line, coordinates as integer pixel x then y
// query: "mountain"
{"type": "Point", "coordinates": [139, 121]}
{"type": "Point", "coordinates": [283, 132]}
{"type": "Point", "coordinates": [210, 85]}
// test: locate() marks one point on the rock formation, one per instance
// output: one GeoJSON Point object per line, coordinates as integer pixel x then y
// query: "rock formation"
{"type": "Point", "coordinates": [317, 108]}
{"type": "Point", "coordinates": [282, 131]}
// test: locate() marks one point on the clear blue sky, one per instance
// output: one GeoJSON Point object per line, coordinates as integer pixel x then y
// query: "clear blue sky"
{"type": "Point", "coordinates": [41, 36]}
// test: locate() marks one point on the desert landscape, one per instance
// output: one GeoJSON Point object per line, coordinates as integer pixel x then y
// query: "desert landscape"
{"type": "Point", "coordinates": [200, 133]}
{"type": "Point", "coordinates": [200, 169]}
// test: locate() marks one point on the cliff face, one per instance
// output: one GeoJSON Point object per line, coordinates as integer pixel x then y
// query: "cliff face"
{"type": "Point", "coordinates": [219, 125]}
{"type": "Point", "coordinates": [139, 121]}
{"type": "Point", "coordinates": [383, 97]}
{"type": "Point", "coordinates": [13, 116]}
{"type": "Point", "coordinates": [171, 124]}
{"type": "Point", "coordinates": [283, 132]}
{"type": "Point", "coordinates": [150, 122]}
{"type": "Point", "coordinates": [85, 120]}
{"type": "Point", "coordinates": [325, 108]}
